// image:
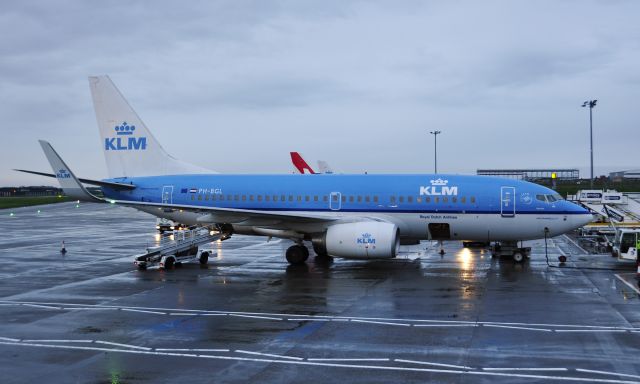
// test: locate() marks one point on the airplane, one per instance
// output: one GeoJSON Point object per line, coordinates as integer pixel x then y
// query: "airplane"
{"type": "Point", "coordinates": [301, 165]}
{"type": "Point", "coordinates": [363, 216]}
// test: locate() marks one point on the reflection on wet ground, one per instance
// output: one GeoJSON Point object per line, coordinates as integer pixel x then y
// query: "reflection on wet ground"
{"type": "Point", "coordinates": [89, 316]}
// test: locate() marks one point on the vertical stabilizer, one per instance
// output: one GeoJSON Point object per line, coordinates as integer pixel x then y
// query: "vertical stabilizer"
{"type": "Point", "coordinates": [129, 147]}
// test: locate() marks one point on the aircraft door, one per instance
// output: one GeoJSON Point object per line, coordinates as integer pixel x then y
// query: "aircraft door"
{"type": "Point", "coordinates": [167, 194]}
{"type": "Point", "coordinates": [335, 201]}
{"type": "Point", "coordinates": [508, 201]}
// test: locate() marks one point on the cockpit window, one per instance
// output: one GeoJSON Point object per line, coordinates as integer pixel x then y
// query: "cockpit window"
{"type": "Point", "coordinates": [541, 198]}
{"type": "Point", "coordinates": [550, 198]}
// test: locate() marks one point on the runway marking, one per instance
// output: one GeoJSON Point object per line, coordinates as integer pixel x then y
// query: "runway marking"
{"type": "Point", "coordinates": [122, 345]}
{"type": "Point", "coordinates": [326, 364]}
{"type": "Point", "coordinates": [268, 355]}
{"type": "Point", "coordinates": [576, 244]}
{"type": "Point", "coordinates": [513, 327]}
{"type": "Point", "coordinates": [40, 306]}
{"type": "Point", "coordinates": [142, 311]}
{"type": "Point", "coordinates": [430, 363]}
{"type": "Point", "coordinates": [8, 339]}
{"type": "Point", "coordinates": [527, 369]}
{"type": "Point", "coordinates": [255, 317]}
{"type": "Point", "coordinates": [57, 341]}
{"type": "Point", "coordinates": [628, 284]}
{"type": "Point", "coordinates": [379, 322]}
{"type": "Point", "coordinates": [191, 350]}
{"type": "Point", "coordinates": [607, 373]}
{"type": "Point", "coordinates": [298, 317]}
{"type": "Point", "coordinates": [349, 359]}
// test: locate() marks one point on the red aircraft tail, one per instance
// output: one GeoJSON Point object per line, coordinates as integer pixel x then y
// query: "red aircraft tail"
{"type": "Point", "coordinates": [300, 164]}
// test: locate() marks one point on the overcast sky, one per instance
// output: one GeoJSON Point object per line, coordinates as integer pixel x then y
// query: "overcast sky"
{"type": "Point", "coordinates": [235, 85]}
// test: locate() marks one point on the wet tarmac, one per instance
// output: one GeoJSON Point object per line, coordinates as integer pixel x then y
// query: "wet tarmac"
{"type": "Point", "coordinates": [90, 317]}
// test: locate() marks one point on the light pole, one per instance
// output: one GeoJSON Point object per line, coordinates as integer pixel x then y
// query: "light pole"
{"type": "Point", "coordinates": [591, 104]}
{"type": "Point", "coordinates": [435, 150]}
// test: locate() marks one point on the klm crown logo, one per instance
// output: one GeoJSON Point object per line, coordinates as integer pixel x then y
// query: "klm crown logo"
{"type": "Point", "coordinates": [366, 238]}
{"type": "Point", "coordinates": [121, 143]}
{"type": "Point", "coordinates": [438, 187]}
{"type": "Point", "coordinates": [439, 182]}
{"type": "Point", "coordinates": [63, 174]}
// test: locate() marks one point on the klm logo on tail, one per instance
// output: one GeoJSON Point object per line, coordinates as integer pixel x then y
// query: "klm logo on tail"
{"type": "Point", "coordinates": [63, 174]}
{"type": "Point", "coordinates": [124, 140]}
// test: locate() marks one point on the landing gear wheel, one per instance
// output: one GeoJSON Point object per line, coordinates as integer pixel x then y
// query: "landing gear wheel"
{"type": "Point", "coordinates": [169, 263]}
{"type": "Point", "coordinates": [562, 259]}
{"type": "Point", "coordinates": [204, 258]}
{"type": "Point", "coordinates": [518, 257]}
{"type": "Point", "coordinates": [297, 254]}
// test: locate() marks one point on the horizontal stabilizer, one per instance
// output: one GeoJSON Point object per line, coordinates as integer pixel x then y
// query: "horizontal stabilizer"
{"type": "Point", "coordinates": [68, 181]}
{"type": "Point", "coordinates": [100, 183]}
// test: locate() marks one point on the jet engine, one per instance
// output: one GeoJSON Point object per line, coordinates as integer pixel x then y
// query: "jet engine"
{"type": "Point", "coordinates": [363, 240]}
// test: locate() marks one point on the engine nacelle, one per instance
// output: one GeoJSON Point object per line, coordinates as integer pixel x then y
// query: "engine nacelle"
{"type": "Point", "coordinates": [363, 240]}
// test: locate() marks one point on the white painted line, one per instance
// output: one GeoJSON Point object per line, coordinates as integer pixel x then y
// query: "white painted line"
{"type": "Point", "coordinates": [379, 322]}
{"type": "Point", "coordinates": [434, 364]}
{"type": "Point", "coordinates": [628, 284]}
{"type": "Point", "coordinates": [268, 355]}
{"type": "Point", "coordinates": [90, 308]}
{"type": "Point", "coordinates": [191, 350]}
{"type": "Point", "coordinates": [40, 306]}
{"type": "Point", "coordinates": [320, 364]}
{"type": "Point", "coordinates": [255, 317]}
{"type": "Point", "coordinates": [592, 330]}
{"type": "Point", "coordinates": [512, 327]}
{"type": "Point", "coordinates": [527, 369]}
{"type": "Point", "coordinates": [142, 311]}
{"type": "Point", "coordinates": [122, 345]}
{"type": "Point", "coordinates": [214, 314]}
{"type": "Point", "coordinates": [182, 314]}
{"type": "Point", "coordinates": [339, 319]}
{"type": "Point", "coordinates": [445, 325]}
{"type": "Point", "coordinates": [308, 319]}
{"type": "Point", "coordinates": [352, 359]}
{"type": "Point", "coordinates": [607, 373]}
{"type": "Point", "coordinates": [57, 341]}
{"type": "Point", "coordinates": [8, 339]}
{"type": "Point", "coordinates": [576, 244]}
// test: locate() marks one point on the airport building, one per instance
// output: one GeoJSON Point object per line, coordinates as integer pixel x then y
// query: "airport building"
{"type": "Point", "coordinates": [30, 191]}
{"type": "Point", "coordinates": [633, 174]}
{"type": "Point", "coordinates": [532, 174]}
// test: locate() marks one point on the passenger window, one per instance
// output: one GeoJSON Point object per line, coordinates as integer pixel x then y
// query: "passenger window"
{"type": "Point", "coordinates": [290, 198]}
{"type": "Point", "coordinates": [221, 197]}
{"type": "Point", "coordinates": [418, 199]}
{"type": "Point", "coordinates": [326, 199]}
{"type": "Point", "coordinates": [473, 200]}
{"type": "Point", "coordinates": [267, 198]}
{"type": "Point", "coordinates": [306, 198]}
{"type": "Point", "coordinates": [282, 198]}
{"type": "Point", "coordinates": [229, 197]}
{"type": "Point", "coordinates": [344, 199]}
{"type": "Point", "coordinates": [454, 199]}
{"type": "Point", "coordinates": [392, 199]}
{"type": "Point", "coordinates": [436, 199]}
{"type": "Point", "coordinates": [250, 197]}
{"type": "Point", "coordinates": [334, 198]}
{"type": "Point", "coordinates": [236, 197]}
{"type": "Point", "coordinates": [351, 199]}
{"type": "Point", "coordinates": [445, 199]}
{"type": "Point", "coordinates": [259, 197]}
{"type": "Point", "coordinates": [427, 199]}
{"type": "Point", "coordinates": [199, 197]}
{"type": "Point", "coordinates": [409, 199]}
{"type": "Point", "coordinates": [193, 197]}
{"type": "Point", "coordinates": [375, 199]}
{"type": "Point", "coordinates": [214, 197]}
{"type": "Point", "coordinates": [367, 199]}
{"type": "Point", "coordinates": [359, 199]}
{"type": "Point", "coordinates": [315, 198]}
{"type": "Point", "coordinates": [206, 197]}
{"type": "Point", "coordinates": [244, 197]}
{"type": "Point", "coordinates": [299, 198]}
{"type": "Point", "coordinates": [463, 200]}
{"type": "Point", "coordinates": [401, 199]}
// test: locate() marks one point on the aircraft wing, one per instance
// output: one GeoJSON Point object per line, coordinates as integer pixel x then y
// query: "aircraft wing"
{"type": "Point", "coordinates": [234, 215]}
{"type": "Point", "coordinates": [100, 183]}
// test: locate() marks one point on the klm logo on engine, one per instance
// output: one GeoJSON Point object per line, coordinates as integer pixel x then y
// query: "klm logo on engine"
{"type": "Point", "coordinates": [439, 187]}
{"type": "Point", "coordinates": [63, 174]}
{"type": "Point", "coordinates": [124, 140]}
{"type": "Point", "coordinates": [366, 238]}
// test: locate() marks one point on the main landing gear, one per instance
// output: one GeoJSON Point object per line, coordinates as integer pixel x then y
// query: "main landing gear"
{"type": "Point", "coordinates": [297, 254]}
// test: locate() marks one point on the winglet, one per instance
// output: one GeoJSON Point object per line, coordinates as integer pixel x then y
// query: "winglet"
{"type": "Point", "coordinates": [68, 181]}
